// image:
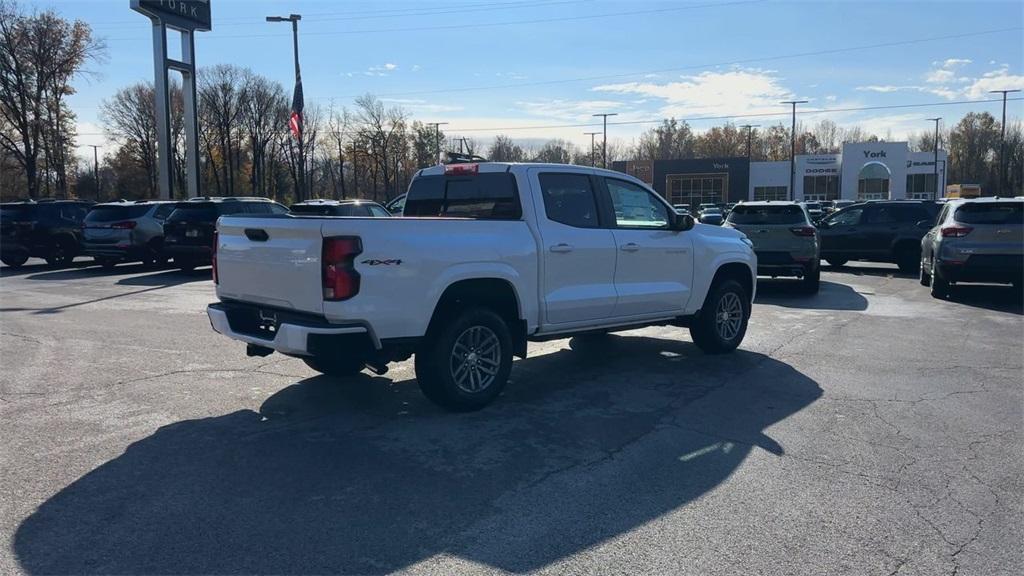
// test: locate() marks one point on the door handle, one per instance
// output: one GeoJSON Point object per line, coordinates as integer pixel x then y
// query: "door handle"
{"type": "Point", "coordinates": [561, 248]}
{"type": "Point", "coordinates": [630, 247]}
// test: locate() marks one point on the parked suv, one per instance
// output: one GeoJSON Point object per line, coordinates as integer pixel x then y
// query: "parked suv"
{"type": "Point", "coordinates": [357, 208]}
{"type": "Point", "coordinates": [50, 229]}
{"type": "Point", "coordinates": [784, 240]}
{"type": "Point", "coordinates": [126, 232]}
{"type": "Point", "coordinates": [189, 230]}
{"type": "Point", "coordinates": [979, 240]}
{"type": "Point", "coordinates": [878, 231]}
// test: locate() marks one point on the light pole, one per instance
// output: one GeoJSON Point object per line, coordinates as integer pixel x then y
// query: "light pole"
{"type": "Point", "coordinates": [437, 138]}
{"type": "Point", "coordinates": [1002, 141]}
{"type": "Point", "coordinates": [297, 104]}
{"type": "Point", "coordinates": [96, 168]}
{"type": "Point", "coordinates": [750, 136]}
{"type": "Point", "coordinates": [593, 158]}
{"type": "Point", "coordinates": [792, 148]}
{"type": "Point", "coordinates": [935, 150]}
{"type": "Point", "coordinates": [604, 145]}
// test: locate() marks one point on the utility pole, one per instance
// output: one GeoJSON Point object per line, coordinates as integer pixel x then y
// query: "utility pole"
{"type": "Point", "coordinates": [750, 136]}
{"type": "Point", "coordinates": [792, 148]}
{"type": "Point", "coordinates": [593, 156]}
{"type": "Point", "coordinates": [935, 150]}
{"type": "Point", "coordinates": [604, 145]}
{"type": "Point", "coordinates": [437, 138]}
{"type": "Point", "coordinates": [96, 168]}
{"type": "Point", "coordinates": [297, 100]}
{"type": "Point", "coordinates": [1002, 143]}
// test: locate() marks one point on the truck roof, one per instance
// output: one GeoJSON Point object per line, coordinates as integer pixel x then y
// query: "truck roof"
{"type": "Point", "coordinates": [485, 167]}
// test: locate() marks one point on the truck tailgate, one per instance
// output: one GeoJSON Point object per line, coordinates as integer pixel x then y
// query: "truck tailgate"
{"type": "Point", "coordinates": [273, 261]}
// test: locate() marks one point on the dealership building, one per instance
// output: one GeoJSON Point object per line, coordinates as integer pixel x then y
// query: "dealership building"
{"type": "Point", "coordinates": [864, 171]}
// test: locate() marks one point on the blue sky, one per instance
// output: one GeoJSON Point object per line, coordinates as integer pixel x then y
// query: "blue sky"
{"type": "Point", "coordinates": [488, 66]}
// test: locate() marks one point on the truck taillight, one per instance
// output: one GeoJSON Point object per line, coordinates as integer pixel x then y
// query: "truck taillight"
{"type": "Point", "coordinates": [127, 225]}
{"type": "Point", "coordinates": [213, 256]}
{"type": "Point", "coordinates": [803, 230]}
{"type": "Point", "coordinates": [341, 281]}
{"type": "Point", "coordinates": [955, 231]}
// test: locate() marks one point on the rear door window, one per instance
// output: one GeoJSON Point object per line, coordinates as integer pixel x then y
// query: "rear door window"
{"type": "Point", "coordinates": [116, 213]}
{"type": "Point", "coordinates": [569, 199]}
{"type": "Point", "coordinates": [767, 215]}
{"type": "Point", "coordinates": [193, 212]}
{"type": "Point", "coordinates": [163, 211]}
{"type": "Point", "coordinates": [378, 212]}
{"type": "Point", "coordinates": [848, 217]}
{"type": "Point", "coordinates": [487, 196]}
{"type": "Point", "coordinates": [991, 213]}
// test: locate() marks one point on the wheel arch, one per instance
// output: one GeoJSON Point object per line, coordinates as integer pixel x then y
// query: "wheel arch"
{"type": "Point", "coordinates": [738, 271]}
{"type": "Point", "coordinates": [497, 294]}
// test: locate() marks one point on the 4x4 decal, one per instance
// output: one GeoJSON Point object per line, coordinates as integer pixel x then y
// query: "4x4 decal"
{"type": "Point", "coordinates": [374, 262]}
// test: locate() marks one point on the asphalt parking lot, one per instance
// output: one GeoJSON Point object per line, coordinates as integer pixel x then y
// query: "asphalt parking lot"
{"type": "Point", "coordinates": [867, 430]}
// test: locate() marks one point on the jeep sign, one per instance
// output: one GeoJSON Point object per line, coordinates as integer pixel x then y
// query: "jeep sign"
{"type": "Point", "coordinates": [180, 14]}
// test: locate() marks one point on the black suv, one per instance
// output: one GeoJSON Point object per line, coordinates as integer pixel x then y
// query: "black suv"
{"type": "Point", "coordinates": [878, 231]}
{"type": "Point", "coordinates": [50, 229]}
{"type": "Point", "coordinates": [188, 231]}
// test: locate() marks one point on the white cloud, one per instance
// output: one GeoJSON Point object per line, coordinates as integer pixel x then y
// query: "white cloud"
{"type": "Point", "coordinates": [417, 105]}
{"type": "Point", "coordinates": [381, 69]}
{"type": "Point", "coordinates": [980, 88]}
{"type": "Point", "coordinates": [574, 110]}
{"type": "Point", "coordinates": [939, 76]}
{"type": "Point", "coordinates": [415, 67]}
{"type": "Point", "coordinates": [883, 89]}
{"type": "Point", "coordinates": [737, 91]}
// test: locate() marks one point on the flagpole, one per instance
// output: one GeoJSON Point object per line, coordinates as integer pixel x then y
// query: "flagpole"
{"type": "Point", "coordinates": [297, 107]}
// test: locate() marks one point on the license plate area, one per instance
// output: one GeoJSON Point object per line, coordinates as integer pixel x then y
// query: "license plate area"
{"type": "Point", "coordinates": [191, 233]}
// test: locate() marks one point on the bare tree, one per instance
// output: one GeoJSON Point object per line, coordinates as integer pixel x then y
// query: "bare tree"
{"type": "Point", "coordinates": [40, 54]}
{"type": "Point", "coordinates": [221, 107]}
{"type": "Point", "coordinates": [503, 149]}
{"type": "Point", "coordinates": [382, 128]}
{"type": "Point", "coordinates": [262, 102]}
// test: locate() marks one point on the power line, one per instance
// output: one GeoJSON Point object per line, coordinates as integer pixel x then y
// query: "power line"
{"type": "Point", "coordinates": [377, 14]}
{"type": "Point", "coordinates": [693, 66]}
{"type": "Point", "coordinates": [483, 24]}
{"type": "Point", "coordinates": [734, 116]}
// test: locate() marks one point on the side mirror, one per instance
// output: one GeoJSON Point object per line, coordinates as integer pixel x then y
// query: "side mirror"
{"type": "Point", "coordinates": [681, 222]}
{"type": "Point", "coordinates": [924, 224]}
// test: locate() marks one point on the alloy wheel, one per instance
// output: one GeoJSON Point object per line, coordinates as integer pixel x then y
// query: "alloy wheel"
{"type": "Point", "coordinates": [729, 316]}
{"type": "Point", "coordinates": [475, 359]}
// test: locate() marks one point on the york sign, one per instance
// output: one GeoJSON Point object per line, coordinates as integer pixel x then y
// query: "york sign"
{"type": "Point", "coordinates": [180, 14]}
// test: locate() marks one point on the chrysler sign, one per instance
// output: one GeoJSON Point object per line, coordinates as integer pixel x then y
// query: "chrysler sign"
{"type": "Point", "coordinates": [180, 14]}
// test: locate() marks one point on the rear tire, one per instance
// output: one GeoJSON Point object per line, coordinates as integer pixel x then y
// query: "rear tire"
{"type": "Point", "coordinates": [464, 364]}
{"type": "Point", "coordinates": [61, 254]}
{"type": "Point", "coordinates": [14, 261]}
{"type": "Point", "coordinates": [337, 366]}
{"type": "Point", "coordinates": [106, 263]}
{"type": "Point", "coordinates": [907, 259]}
{"type": "Point", "coordinates": [185, 265]}
{"type": "Point", "coordinates": [836, 262]}
{"type": "Point", "coordinates": [925, 278]}
{"type": "Point", "coordinates": [940, 286]}
{"type": "Point", "coordinates": [722, 322]}
{"type": "Point", "coordinates": [812, 279]}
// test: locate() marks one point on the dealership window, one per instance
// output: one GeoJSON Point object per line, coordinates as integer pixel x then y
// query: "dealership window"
{"type": "Point", "coordinates": [823, 187]}
{"type": "Point", "coordinates": [696, 189]}
{"type": "Point", "coordinates": [771, 193]}
{"type": "Point", "coordinates": [873, 182]}
{"type": "Point", "coordinates": [921, 186]}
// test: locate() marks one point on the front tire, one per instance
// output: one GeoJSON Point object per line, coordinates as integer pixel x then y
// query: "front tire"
{"type": "Point", "coordinates": [722, 322]}
{"type": "Point", "coordinates": [925, 278]}
{"type": "Point", "coordinates": [61, 254]}
{"type": "Point", "coordinates": [337, 366]}
{"type": "Point", "coordinates": [907, 259]}
{"type": "Point", "coordinates": [464, 364]}
{"type": "Point", "coordinates": [14, 261]}
{"type": "Point", "coordinates": [812, 279]}
{"type": "Point", "coordinates": [836, 262]}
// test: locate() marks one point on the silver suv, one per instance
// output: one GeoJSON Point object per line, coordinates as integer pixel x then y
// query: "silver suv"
{"type": "Point", "coordinates": [126, 232]}
{"type": "Point", "coordinates": [785, 241]}
{"type": "Point", "coordinates": [978, 240]}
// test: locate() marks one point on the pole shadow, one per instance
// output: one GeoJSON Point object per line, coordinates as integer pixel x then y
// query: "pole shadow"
{"type": "Point", "coordinates": [365, 476]}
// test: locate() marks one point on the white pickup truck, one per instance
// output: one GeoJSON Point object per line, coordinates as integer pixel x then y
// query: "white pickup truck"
{"type": "Point", "coordinates": [486, 257]}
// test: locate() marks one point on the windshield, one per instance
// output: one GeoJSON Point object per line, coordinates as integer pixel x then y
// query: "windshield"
{"type": "Point", "coordinates": [991, 213]}
{"type": "Point", "coordinates": [115, 213]}
{"type": "Point", "coordinates": [329, 209]}
{"type": "Point", "coordinates": [17, 211]}
{"type": "Point", "coordinates": [193, 211]}
{"type": "Point", "coordinates": [767, 215]}
{"type": "Point", "coordinates": [813, 206]}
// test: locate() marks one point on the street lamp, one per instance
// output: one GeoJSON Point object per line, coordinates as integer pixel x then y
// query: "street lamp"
{"type": "Point", "coordinates": [792, 148]}
{"type": "Point", "coordinates": [935, 148]}
{"type": "Point", "coordinates": [604, 145]}
{"type": "Point", "coordinates": [1002, 140]}
{"type": "Point", "coordinates": [750, 136]}
{"type": "Point", "coordinates": [297, 103]}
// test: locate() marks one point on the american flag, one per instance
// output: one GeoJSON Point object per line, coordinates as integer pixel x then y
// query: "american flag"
{"type": "Point", "coordinates": [295, 121]}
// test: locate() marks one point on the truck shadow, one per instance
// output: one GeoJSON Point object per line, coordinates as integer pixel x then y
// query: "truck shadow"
{"type": "Point", "coordinates": [830, 296]}
{"type": "Point", "coordinates": [367, 477]}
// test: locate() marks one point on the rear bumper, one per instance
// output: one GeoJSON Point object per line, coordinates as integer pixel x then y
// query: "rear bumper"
{"type": "Point", "coordinates": [1002, 270]}
{"type": "Point", "coordinates": [784, 263]}
{"type": "Point", "coordinates": [188, 252]}
{"type": "Point", "coordinates": [294, 334]}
